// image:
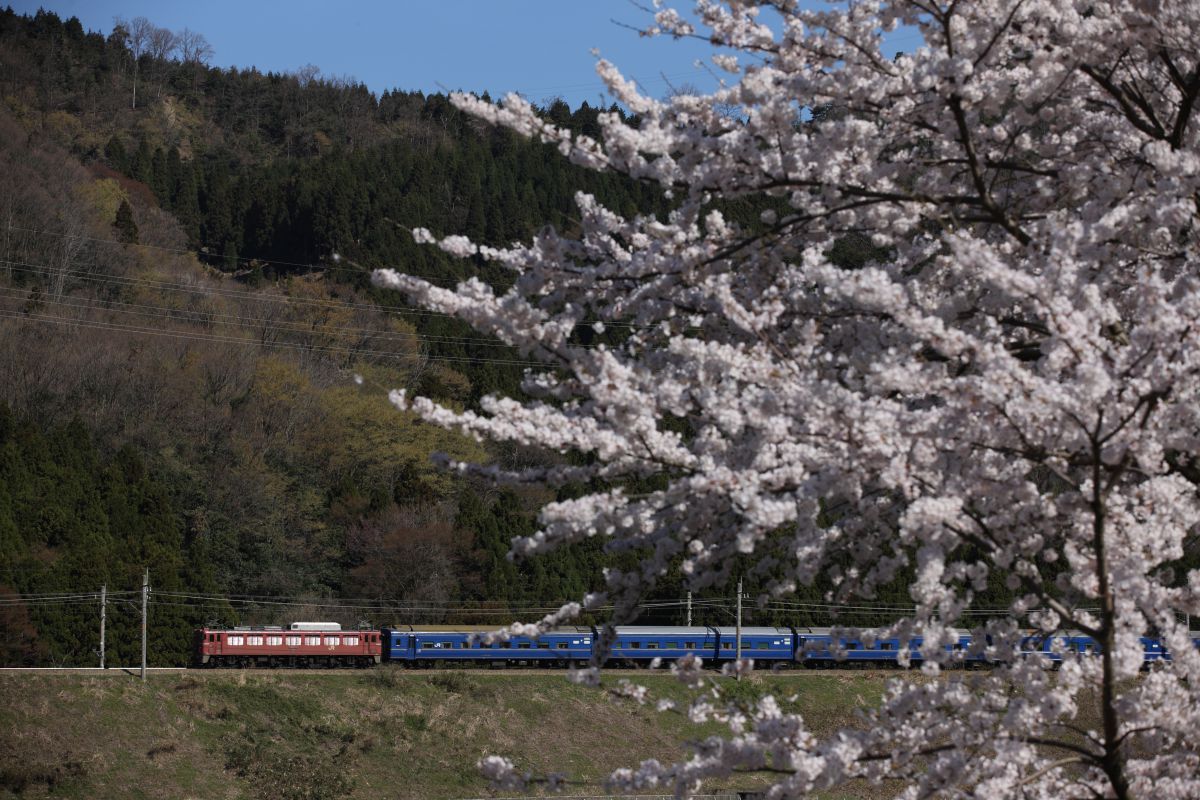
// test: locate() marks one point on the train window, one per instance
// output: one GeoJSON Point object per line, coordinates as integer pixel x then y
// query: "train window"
{"type": "Point", "coordinates": [672, 645]}
{"type": "Point", "coordinates": [635, 645]}
{"type": "Point", "coordinates": [651, 645]}
{"type": "Point", "coordinates": [293, 641]}
{"type": "Point", "coordinates": [333, 641]}
{"type": "Point", "coordinates": [351, 640]}
{"type": "Point", "coordinates": [885, 645]}
{"type": "Point", "coordinates": [312, 641]}
{"type": "Point", "coordinates": [234, 641]}
{"type": "Point", "coordinates": [762, 645]}
{"type": "Point", "coordinates": [563, 646]}
{"type": "Point", "coordinates": [523, 645]}
{"type": "Point", "coordinates": [727, 645]}
{"type": "Point", "coordinates": [506, 645]}
{"type": "Point", "coordinates": [690, 645]}
{"type": "Point", "coordinates": [254, 641]}
{"type": "Point", "coordinates": [543, 645]}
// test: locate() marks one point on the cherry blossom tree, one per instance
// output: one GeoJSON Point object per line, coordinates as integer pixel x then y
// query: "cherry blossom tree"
{"type": "Point", "coordinates": [1009, 388]}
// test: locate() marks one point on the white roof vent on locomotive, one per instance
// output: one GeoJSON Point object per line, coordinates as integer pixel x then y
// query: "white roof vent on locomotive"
{"type": "Point", "coordinates": [315, 626]}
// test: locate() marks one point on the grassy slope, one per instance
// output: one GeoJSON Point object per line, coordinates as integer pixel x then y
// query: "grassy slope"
{"type": "Point", "coordinates": [361, 735]}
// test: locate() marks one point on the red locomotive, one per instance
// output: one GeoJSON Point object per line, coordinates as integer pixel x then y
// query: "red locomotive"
{"type": "Point", "coordinates": [302, 644]}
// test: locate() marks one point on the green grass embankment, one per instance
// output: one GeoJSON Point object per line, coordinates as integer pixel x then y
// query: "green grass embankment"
{"type": "Point", "coordinates": [376, 734]}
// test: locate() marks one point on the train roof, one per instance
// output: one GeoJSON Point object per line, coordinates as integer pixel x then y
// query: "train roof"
{"type": "Point", "coordinates": [478, 629]}
{"type": "Point", "coordinates": [661, 630]}
{"type": "Point", "coordinates": [257, 627]}
{"type": "Point", "coordinates": [749, 631]}
{"type": "Point", "coordinates": [960, 632]}
{"type": "Point", "coordinates": [281, 629]}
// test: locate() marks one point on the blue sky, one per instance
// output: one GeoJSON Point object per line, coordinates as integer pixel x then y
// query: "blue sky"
{"type": "Point", "coordinates": [541, 48]}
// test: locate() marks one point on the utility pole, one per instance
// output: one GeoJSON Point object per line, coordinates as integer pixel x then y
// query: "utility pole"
{"type": "Point", "coordinates": [739, 626]}
{"type": "Point", "coordinates": [145, 598]}
{"type": "Point", "coordinates": [689, 616]}
{"type": "Point", "coordinates": [103, 614]}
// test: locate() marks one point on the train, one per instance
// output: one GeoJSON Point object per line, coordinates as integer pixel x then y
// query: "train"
{"type": "Point", "coordinates": [327, 645]}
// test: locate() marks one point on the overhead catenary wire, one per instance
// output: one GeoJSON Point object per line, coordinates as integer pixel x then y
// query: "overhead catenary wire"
{"type": "Point", "coordinates": [332, 602]}
{"type": "Point", "coordinates": [202, 317]}
{"type": "Point", "coordinates": [494, 610]}
{"type": "Point", "coordinates": [464, 604]}
{"type": "Point", "coordinates": [218, 291]}
{"type": "Point", "coordinates": [69, 594]}
{"type": "Point", "coordinates": [380, 605]}
{"type": "Point", "coordinates": [70, 321]}
{"type": "Point", "coordinates": [357, 271]}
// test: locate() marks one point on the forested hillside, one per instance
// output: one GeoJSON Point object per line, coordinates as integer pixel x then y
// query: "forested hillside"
{"type": "Point", "coordinates": [193, 365]}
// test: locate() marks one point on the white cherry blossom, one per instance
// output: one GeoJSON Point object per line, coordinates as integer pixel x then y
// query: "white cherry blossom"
{"type": "Point", "coordinates": [1009, 386]}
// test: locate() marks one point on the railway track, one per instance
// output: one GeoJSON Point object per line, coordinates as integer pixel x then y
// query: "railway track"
{"type": "Point", "coordinates": [620, 672]}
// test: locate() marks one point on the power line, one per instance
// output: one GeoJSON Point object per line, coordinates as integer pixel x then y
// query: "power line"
{"type": "Point", "coordinates": [234, 320]}
{"type": "Point", "coordinates": [236, 294]}
{"type": "Point", "coordinates": [121, 327]}
{"type": "Point", "coordinates": [246, 297]}
{"type": "Point", "coordinates": [356, 271]}
{"type": "Point", "coordinates": [445, 284]}
{"type": "Point", "coordinates": [63, 594]}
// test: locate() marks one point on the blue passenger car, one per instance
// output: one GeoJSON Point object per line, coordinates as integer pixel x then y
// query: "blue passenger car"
{"type": "Point", "coordinates": [418, 645]}
{"type": "Point", "coordinates": [818, 647]}
{"type": "Point", "coordinates": [764, 645]}
{"type": "Point", "coordinates": [641, 644]}
{"type": "Point", "coordinates": [1059, 646]}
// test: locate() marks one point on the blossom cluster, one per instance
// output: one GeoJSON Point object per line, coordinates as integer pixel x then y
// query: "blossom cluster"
{"type": "Point", "coordinates": [1006, 387]}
